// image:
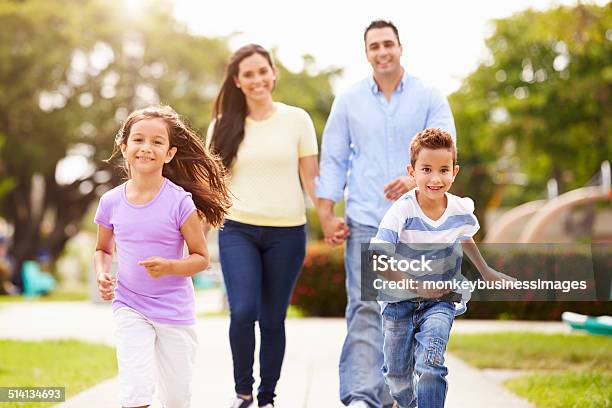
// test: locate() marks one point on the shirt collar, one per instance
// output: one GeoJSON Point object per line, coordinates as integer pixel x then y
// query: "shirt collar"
{"type": "Point", "coordinates": [400, 87]}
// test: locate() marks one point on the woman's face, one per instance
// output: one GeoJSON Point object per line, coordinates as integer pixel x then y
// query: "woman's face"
{"type": "Point", "coordinates": [255, 77]}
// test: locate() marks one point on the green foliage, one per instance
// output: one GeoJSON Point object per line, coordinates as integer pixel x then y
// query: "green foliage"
{"type": "Point", "coordinates": [539, 105]}
{"type": "Point", "coordinates": [309, 89]}
{"type": "Point", "coordinates": [320, 289]}
{"type": "Point", "coordinates": [71, 74]}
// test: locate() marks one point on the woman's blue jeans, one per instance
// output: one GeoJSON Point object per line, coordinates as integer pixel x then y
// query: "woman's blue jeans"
{"type": "Point", "coordinates": [260, 267]}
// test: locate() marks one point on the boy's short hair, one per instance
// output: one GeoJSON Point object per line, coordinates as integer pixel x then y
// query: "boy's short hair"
{"type": "Point", "coordinates": [431, 138]}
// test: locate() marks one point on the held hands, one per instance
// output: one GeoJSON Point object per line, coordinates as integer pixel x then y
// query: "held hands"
{"type": "Point", "coordinates": [335, 230]}
{"type": "Point", "coordinates": [106, 283]}
{"type": "Point", "coordinates": [157, 266]}
{"type": "Point", "coordinates": [395, 188]}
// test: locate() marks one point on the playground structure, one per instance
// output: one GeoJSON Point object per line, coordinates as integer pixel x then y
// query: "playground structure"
{"type": "Point", "coordinates": [535, 217]}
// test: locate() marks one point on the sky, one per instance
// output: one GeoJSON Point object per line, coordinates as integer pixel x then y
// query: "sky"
{"type": "Point", "coordinates": [443, 40]}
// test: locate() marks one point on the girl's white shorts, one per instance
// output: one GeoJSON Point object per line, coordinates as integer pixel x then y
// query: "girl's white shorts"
{"type": "Point", "coordinates": [148, 353]}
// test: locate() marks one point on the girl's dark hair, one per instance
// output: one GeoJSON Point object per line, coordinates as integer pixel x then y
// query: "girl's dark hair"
{"type": "Point", "coordinates": [230, 109]}
{"type": "Point", "coordinates": [193, 167]}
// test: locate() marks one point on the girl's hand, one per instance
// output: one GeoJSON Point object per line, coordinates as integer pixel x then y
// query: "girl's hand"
{"type": "Point", "coordinates": [106, 283]}
{"type": "Point", "coordinates": [157, 266]}
{"type": "Point", "coordinates": [493, 275]}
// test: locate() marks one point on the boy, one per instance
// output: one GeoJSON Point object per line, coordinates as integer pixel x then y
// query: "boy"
{"type": "Point", "coordinates": [417, 324]}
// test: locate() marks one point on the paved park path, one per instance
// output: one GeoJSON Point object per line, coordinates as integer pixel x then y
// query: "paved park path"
{"type": "Point", "coordinates": [309, 372]}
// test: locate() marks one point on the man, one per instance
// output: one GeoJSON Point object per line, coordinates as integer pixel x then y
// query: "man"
{"type": "Point", "coordinates": [365, 146]}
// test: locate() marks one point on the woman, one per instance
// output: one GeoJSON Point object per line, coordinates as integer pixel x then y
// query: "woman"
{"type": "Point", "coordinates": [267, 147]}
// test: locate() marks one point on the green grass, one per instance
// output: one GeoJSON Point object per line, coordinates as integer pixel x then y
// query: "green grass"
{"type": "Point", "coordinates": [570, 370]}
{"type": "Point", "coordinates": [582, 389]}
{"type": "Point", "coordinates": [533, 351]}
{"type": "Point", "coordinates": [72, 364]}
{"type": "Point", "coordinates": [55, 296]}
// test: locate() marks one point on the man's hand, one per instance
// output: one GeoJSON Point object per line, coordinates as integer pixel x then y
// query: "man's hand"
{"type": "Point", "coordinates": [394, 189]}
{"type": "Point", "coordinates": [335, 230]}
{"type": "Point", "coordinates": [106, 283]}
{"type": "Point", "coordinates": [157, 266]}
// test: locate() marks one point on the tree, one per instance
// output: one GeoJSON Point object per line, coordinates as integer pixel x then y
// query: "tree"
{"type": "Point", "coordinates": [69, 75]}
{"type": "Point", "coordinates": [539, 105]}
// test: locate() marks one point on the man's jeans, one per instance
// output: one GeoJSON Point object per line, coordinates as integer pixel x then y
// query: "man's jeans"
{"type": "Point", "coordinates": [415, 338]}
{"type": "Point", "coordinates": [361, 359]}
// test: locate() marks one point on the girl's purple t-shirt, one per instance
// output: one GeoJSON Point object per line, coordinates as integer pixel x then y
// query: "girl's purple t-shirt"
{"type": "Point", "coordinates": [142, 231]}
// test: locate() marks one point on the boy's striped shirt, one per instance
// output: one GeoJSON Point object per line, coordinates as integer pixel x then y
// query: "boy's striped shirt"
{"type": "Point", "coordinates": [406, 231]}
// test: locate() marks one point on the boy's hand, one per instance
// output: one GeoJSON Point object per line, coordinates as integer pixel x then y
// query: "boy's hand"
{"type": "Point", "coordinates": [106, 283]}
{"type": "Point", "coordinates": [492, 275]}
{"type": "Point", "coordinates": [157, 266]}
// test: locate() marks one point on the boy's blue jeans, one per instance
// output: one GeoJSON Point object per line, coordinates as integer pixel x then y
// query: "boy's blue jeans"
{"type": "Point", "coordinates": [415, 338]}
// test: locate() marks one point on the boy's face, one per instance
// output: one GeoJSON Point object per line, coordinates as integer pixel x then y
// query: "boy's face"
{"type": "Point", "coordinates": [434, 172]}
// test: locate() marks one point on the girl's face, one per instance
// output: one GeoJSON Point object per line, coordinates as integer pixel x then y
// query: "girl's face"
{"type": "Point", "coordinates": [434, 172]}
{"type": "Point", "coordinates": [255, 77]}
{"type": "Point", "coordinates": [147, 148]}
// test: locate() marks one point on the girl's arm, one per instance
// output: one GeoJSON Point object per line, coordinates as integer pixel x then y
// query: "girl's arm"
{"type": "Point", "coordinates": [197, 260]}
{"type": "Point", "coordinates": [472, 252]}
{"type": "Point", "coordinates": [103, 257]}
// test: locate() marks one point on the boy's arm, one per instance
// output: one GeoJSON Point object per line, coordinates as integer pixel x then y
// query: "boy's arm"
{"type": "Point", "coordinates": [103, 258]}
{"type": "Point", "coordinates": [197, 260]}
{"type": "Point", "coordinates": [472, 252]}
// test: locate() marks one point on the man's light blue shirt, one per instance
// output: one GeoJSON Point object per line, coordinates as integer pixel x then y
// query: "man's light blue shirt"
{"type": "Point", "coordinates": [366, 142]}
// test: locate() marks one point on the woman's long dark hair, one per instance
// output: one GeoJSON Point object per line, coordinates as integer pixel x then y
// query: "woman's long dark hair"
{"type": "Point", "coordinates": [230, 109]}
{"type": "Point", "coordinates": [193, 167]}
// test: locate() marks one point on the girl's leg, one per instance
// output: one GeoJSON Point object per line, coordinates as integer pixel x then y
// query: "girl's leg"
{"type": "Point", "coordinates": [282, 260]}
{"type": "Point", "coordinates": [242, 272]}
{"type": "Point", "coordinates": [135, 338]}
{"type": "Point", "coordinates": [175, 352]}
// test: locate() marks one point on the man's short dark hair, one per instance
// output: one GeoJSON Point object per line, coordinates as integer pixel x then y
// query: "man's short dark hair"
{"type": "Point", "coordinates": [382, 24]}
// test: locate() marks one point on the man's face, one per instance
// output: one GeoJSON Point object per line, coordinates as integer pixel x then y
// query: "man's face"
{"type": "Point", "coordinates": [383, 51]}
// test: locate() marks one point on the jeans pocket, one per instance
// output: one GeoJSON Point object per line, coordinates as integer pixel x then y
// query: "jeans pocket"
{"type": "Point", "coordinates": [435, 352]}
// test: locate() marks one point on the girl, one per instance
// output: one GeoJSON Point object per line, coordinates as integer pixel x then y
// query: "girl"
{"type": "Point", "coordinates": [172, 182]}
{"type": "Point", "coordinates": [268, 148]}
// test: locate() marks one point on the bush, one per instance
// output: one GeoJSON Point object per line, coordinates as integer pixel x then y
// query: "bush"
{"type": "Point", "coordinates": [320, 289]}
